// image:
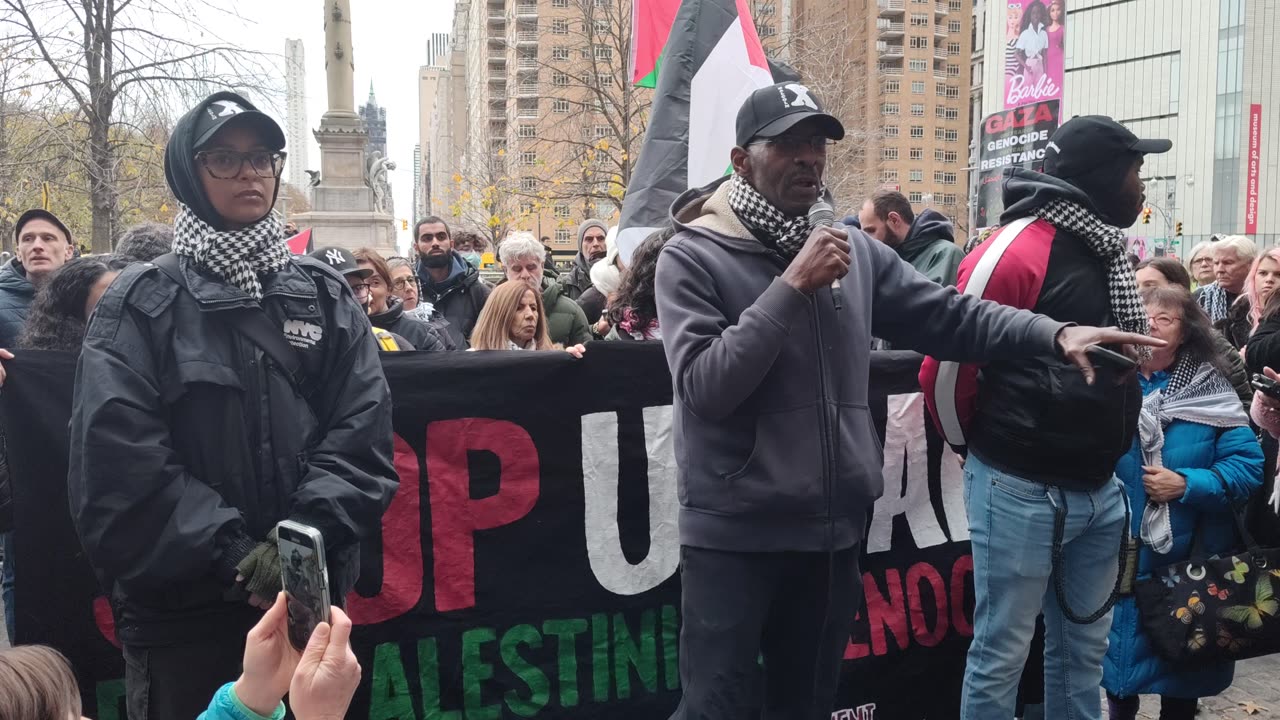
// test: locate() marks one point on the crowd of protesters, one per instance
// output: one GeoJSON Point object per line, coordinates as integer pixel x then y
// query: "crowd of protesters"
{"type": "Point", "coordinates": [1072, 472]}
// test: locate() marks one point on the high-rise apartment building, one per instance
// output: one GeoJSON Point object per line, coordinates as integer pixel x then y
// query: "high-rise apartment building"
{"type": "Point", "coordinates": [429, 78]}
{"type": "Point", "coordinates": [438, 50]}
{"type": "Point", "coordinates": [295, 80]}
{"type": "Point", "coordinates": [1198, 72]}
{"type": "Point", "coordinates": [896, 72]}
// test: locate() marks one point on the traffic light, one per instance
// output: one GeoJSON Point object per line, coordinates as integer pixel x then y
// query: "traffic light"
{"type": "Point", "coordinates": [1146, 216]}
{"type": "Point", "coordinates": [404, 224]}
{"type": "Point", "coordinates": [1177, 228]}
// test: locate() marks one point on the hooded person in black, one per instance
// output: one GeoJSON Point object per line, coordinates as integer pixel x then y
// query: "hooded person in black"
{"type": "Point", "coordinates": [592, 247]}
{"type": "Point", "coordinates": [192, 437]}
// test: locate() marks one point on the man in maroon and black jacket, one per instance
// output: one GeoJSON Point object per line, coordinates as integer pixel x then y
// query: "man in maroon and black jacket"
{"type": "Point", "coordinates": [1041, 442]}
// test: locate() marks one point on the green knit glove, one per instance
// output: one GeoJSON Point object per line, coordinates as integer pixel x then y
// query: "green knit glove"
{"type": "Point", "coordinates": [261, 569]}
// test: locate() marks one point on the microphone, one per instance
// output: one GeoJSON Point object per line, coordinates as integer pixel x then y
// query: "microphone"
{"type": "Point", "coordinates": [821, 214]}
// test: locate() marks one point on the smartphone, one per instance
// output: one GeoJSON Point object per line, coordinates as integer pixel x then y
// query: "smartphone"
{"type": "Point", "coordinates": [305, 578]}
{"type": "Point", "coordinates": [1099, 355]}
{"type": "Point", "coordinates": [1266, 386]}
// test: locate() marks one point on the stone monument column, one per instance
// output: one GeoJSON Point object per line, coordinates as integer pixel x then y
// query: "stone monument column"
{"type": "Point", "coordinates": [339, 60]}
{"type": "Point", "coordinates": [343, 211]}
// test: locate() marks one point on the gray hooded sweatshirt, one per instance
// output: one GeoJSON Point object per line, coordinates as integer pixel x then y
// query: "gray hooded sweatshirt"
{"type": "Point", "coordinates": [773, 436]}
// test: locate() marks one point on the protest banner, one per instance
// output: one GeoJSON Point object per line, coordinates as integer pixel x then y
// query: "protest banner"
{"type": "Point", "coordinates": [528, 565]}
{"type": "Point", "coordinates": [1011, 139]}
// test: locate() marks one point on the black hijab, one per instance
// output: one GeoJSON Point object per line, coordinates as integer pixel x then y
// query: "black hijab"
{"type": "Point", "coordinates": [182, 170]}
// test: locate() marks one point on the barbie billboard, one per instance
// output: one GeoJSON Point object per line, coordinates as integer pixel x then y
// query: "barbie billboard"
{"type": "Point", "coordinates": [1033, 54]}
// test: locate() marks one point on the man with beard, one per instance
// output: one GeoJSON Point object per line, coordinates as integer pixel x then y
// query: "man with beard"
{"type": "Point", "coordinates": [447, 282]}
{"type": "Point", "coordinates": [1047, 515]}
{"type": "Point", "coordinates": [591, 250]}
{"type": "Point", "coordinates": [778, 464]}
{"type": "Point", "coordinates": [925, 241]}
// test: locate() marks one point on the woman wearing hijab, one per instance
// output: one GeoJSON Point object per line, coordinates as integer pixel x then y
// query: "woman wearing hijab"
{"type": "Point", "coordinates": [195, 430]}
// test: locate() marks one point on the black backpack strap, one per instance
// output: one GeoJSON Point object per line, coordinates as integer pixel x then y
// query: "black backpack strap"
{"type": "Point", "coordinates": [254, 325]}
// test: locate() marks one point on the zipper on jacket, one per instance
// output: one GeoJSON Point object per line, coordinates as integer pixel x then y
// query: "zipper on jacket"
{"type": "Point", "coordinates": [824, 421]}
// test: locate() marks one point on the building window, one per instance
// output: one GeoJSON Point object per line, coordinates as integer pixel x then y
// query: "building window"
{"type": "Point", "coordinates": [768, 31]}
{"type": "Point", "coordinates": [891, 87]}
{"type": "Point", "coordinates": [528, 184]}
{"type": "Point", "coordinates": [602, 27]}
{"type": "Point", "coordinates": [915, 176]}
{"type": "Point", "coordinates": [917, 110]}
{"type": "Point", "coordinates": [915, 197]}
{"type": "Point", "coordinates": [526, 208]}
{"type": "Point", "coordinates": [916, 154]}
{"type": "Point", "coordinates": [917, 132]}
{"type": "Point", "coordinates": [889, 176]}
{"type": "Point", "coordinates": [917, 65]}
{"type": "Point", "coordinates": [954, 6]}
{"type": "Point", "coordinates": [953, 70]}
{"type": "Point", "coordinates": [944, 178]}
{"type": "Point", "coordinates": [526, 131]}
{"type": "Point", "coordinates": [891, 131]}
{"type": "Point", "coordinates": [952, 135]}
{"type": "Point", "coordinates": [562, 212]}
{"type": "Point", "coordinates": [560, 80]}
{"type": "Point", "coordinates": [528, 157]}
{"type": "Point", "coordinates": [919, 43]}
{"type": "Point", "coordinates": [602, 131]}
{"type": "Point", "coordinates": [917, 87]}
{"type": "Point", "coordinates": [889, 109]}
{"type": "Point", "coordinates": [560, 107]}
{"type": "Point", "coordinates": [559, 3]}
{"type": "Point", "coordinates": [889, 153]}
{"type": "Point", "coordinates": [562, 235]}
{"type": "Point", "coordinates": [953, 26]}
{"type": "Point", "coordinates": [948, 198]}
{"type": "Point", "coordinates": [560, 53]}
{"type": "Point", "coordinates": [953, 48]}
{"type": "Point", "coordinates": [604, 52]}
{"type": "Point", "coordinates": [918, 20]}
{"type": "Point", "coordinates": [950, 156]}
{"type": "Point", "coordinates": [559, 26]}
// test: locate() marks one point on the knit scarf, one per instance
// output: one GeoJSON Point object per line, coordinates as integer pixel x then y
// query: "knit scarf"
{"type": "Point", "coordinates": [1107, 244]}
{"type": "Point", "coordinates": [1196, 393]}
{"type": "Point", "coordinates": [237, 257]}
{"type": "Point", "coordinates": [1213, 298]}
{"type": "Point", "coordinates": [787, 233]}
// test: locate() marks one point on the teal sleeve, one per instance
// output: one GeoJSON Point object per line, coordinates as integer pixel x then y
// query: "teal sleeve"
{"type": "Point", "coordinates": [226, 706]}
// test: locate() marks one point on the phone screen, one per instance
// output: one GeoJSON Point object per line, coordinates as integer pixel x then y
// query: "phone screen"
{"type": "Point", "coordinates": [305, 586]}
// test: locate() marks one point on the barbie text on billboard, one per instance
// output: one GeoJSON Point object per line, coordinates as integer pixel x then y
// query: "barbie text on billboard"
{"type": "Point", "coordinates": [1033, 55]}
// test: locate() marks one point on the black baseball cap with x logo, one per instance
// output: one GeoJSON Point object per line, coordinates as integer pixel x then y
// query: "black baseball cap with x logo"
{"type": "Point", "coordinates": [217, 114]}
{"type": "Point", "coordinates": [773, 110]}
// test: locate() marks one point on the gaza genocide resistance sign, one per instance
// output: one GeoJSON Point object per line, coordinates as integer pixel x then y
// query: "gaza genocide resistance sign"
{"type": "Point", "coordinates": [528, 565]}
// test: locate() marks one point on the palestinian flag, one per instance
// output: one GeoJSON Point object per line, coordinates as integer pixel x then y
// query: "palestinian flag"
{"type": "Point", "coordinates": [711, 62]}
{"type": "Point", "coordinates": [652, 21]}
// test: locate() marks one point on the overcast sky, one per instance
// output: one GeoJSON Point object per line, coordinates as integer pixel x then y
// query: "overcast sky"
{"type": "Point", "coordinates": [390, 45]}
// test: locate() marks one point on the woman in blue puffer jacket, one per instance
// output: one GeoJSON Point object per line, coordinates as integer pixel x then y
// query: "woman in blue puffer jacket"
{"type": "Point", "coordinates": [1194, 460]}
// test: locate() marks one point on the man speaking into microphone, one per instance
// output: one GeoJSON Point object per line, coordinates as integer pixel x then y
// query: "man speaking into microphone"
{"type": "Point", "coordinates": [779, 462]}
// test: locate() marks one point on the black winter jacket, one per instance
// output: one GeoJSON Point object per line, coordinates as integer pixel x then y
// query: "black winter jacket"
{"type": "Point", "coordinates": [188, 445]}
{"type": "Point", "coordinates": [460, 298]}
{"type": "Point", "coordinates": [16, 294]}
{"type": "Point", "coordinates": [421, 335]}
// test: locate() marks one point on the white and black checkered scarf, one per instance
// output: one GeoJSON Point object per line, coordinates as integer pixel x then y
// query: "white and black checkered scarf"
{"type": "Point", "coordinates": [238, 257]}
{"type": "Point", "coordinates": [1107, 243]}
{"type": "Point", "coordinates": [787, 233]}
{"type": "Point", "coordinates": [1213, 298]}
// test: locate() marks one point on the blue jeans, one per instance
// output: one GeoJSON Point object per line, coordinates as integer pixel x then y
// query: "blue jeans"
{"type": "Point", "coordinates": [1011, 524]}
{"type": "Point", "coordinates": [6, 584]}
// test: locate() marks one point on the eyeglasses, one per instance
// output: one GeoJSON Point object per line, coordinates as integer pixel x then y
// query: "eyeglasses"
{"type": "Point", "coordinates": [360, 289]}
{"type": "Point", "coordinates": [227, 164]}
{"type": "Point", "coordinates": [791, 143]}
{"type": "Point", "coordinates": [1164, 321]}
{"type": "Point", "coordinates": [404, 282]}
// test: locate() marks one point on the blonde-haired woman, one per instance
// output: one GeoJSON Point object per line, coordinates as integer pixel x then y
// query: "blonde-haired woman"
{"type": "Point", "coordinates": [514, 319]}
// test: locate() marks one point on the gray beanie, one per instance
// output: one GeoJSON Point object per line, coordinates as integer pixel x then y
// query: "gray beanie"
{"type": "Point", "coordinates": [587, 225]}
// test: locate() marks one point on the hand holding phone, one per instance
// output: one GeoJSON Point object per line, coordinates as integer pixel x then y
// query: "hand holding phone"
{"type": "Point", "coordinates": [305, 577]}
{"type": "Point", "coordinates": [1266, 386]}
{"type": "Point", "coordinates": [1110, 358]}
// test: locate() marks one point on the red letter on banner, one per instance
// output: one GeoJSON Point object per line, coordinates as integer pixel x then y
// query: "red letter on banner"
{"type": "Point", "coordinates": [885, 612]}
{"type": "Point", "coordinates": [923, 571]}
{"type": "Point", "coordinates": [401, 548]}
{"type": "Point", "coordinates": [455, 516]}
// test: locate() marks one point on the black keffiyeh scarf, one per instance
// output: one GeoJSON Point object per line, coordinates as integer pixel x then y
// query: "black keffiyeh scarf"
{"type": "Point", "coordinates": [1213, 298]}
{"type": "Point", "coordinates": [238, 257]}
{"type": "Point", "coordinates": [1107, 243]}
{"type": "Point", "coordinates": [788, 233]}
